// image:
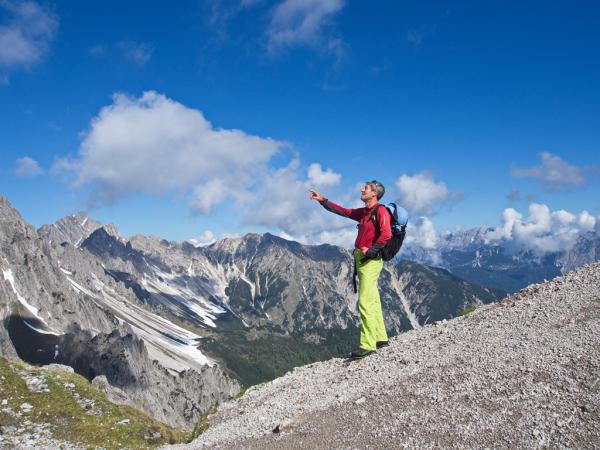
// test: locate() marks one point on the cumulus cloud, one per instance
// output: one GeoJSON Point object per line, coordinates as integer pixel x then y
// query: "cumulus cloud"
{"type": "Point", "coordinates": [154, 145]}
{"type": "Point", "coordinates": [282, 202]}
{"type": "Point", "coordinates": [543, 231]}
{"type": "Point", "coordinates": [136, 52]}
{"type": "Point", "coordinates": [319, 178]}
{"type": "Point", "coordinates": [422, 233]}
{"type": "Point", "coordinates": [304, 23]}
{"type": "Point", "coordinates": [586, 221]}
{"type": "Point", "coordinates": [207, 237]}
{"type": "Point", "coordinates": [553, 174]}
{"type": "Point", "coordinates": [423, 241]}
{"type": "Point", "coordinates": [26, 36]}
{"type": "Point", "coordinates": [421, 194]}
{"type": "Point", "coordinates": [27, 167]}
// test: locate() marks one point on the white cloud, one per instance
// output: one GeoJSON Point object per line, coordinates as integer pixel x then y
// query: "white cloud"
{"type": "Point", "coordinates": [282, 202]}
{"type": "Point", "coordinates": [423, 241]}
{"type": "Point", "coordinates": [25, 38]}
{"type": "Point", "coordinates": [207, 237]}
{"type": "Point", "coordinates": [543, 231]}
{"type": "Point", "coordinates": [27, 167]}
{"type": "Point", "coordinates": [154, 145]}
{"type": "Point", "coordinates": [205, 197]}
{"type": "Point", "coordinates": [137, 52]}
{"type": "Point", "coordinates": [421, 194]}
{"type": "Point", "coordinates": [318, 178]}
{"type": "Point", "coordinates": [586, 221]}
{"type": "Point", "coordinates": [303, 23]}
{"type": "Point", "coordinates": [509, 217]}
{"type": "Point", "coordinates": [422, 233]}
{"type": "Point", "coordinates": [553, 174]}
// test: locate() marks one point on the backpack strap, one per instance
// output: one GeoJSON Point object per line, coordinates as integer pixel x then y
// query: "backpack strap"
{"type": "Point", "coordinates": [374, 219]}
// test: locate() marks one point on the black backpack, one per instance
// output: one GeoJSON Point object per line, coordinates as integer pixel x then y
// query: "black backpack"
{"type": "Point", "coordinates": [392, 247]}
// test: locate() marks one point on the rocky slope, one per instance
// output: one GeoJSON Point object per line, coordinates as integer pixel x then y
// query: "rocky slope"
{"type": "Point", "coordinates": [57, 304]}
{"type": "Point", "coordinates": [521, 373]}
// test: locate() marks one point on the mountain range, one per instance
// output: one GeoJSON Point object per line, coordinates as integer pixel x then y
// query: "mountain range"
{"type": "Point", "coordinates": [175, 328]}
{"type": "Point", "coordinates": [471, 255]}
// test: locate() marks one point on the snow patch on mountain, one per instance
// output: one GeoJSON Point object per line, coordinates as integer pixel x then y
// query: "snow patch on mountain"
{"type": "Point", "coordinates": [40, 330]}
{"type": "Point", "coordinates": [171, 287]}
{"type": "Point", "coordinates": [171, 345]}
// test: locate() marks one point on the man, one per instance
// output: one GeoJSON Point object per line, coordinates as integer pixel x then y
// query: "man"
{"type": "Point", "coordinates": [371, 238]}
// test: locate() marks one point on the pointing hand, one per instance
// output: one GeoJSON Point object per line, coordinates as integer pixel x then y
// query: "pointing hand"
{"type": "Point", "coordinates": [314, 195]}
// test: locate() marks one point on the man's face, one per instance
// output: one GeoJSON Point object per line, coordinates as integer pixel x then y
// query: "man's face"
{"type": "Point", "coordinates": [367, 193]}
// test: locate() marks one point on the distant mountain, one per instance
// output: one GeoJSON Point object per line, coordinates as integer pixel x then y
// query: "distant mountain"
{"type": "Point", "coordinates": [73, 229]}
{"type": "Point", "coordinates": [469, 255]}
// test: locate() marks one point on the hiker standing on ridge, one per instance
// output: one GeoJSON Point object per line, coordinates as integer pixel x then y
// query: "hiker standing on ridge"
{"type": "Point", "coordinates": [370, 240]}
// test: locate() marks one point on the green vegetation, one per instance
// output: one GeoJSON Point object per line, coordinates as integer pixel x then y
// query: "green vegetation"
{"type": "Point", "coordinates": [468, 310]}
{"type": "Point", "coordinates": [261, 356]}
{"type": "Point", "coordinates": [203, 424]}
{"type": "Point", "coordinates": [78, 412]}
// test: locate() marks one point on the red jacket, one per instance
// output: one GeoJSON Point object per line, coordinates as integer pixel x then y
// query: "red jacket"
{"type": "Point", "coordinates": [367, 232]}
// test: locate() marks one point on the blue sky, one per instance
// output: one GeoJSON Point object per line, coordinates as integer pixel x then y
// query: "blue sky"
{"type": "Point", "coordinates": [128, 110]}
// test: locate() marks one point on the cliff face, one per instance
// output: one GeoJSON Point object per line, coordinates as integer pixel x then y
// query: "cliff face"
{"type": "Point", "coordinates": [33, 287]}
{"type": "Point", "coordinates": [57, 304]}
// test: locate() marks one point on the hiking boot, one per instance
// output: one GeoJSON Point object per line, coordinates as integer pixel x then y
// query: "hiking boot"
{"type": "Point", "coordinates": [360, 353]}
{"type": "Point", "coordinates": [381, 344]}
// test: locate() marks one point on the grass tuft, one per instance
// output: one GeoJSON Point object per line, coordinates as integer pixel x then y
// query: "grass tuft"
{"type": "Point", "coordinates": [468, 310]}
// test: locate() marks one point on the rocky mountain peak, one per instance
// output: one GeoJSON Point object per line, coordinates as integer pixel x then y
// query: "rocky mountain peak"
{"type": "Point", "coordinates": [4, 202]}
{"type": "Point", "coordinates": [253, 244]}
{"type": "Point", "coordinates": [73, 229]}
{"type": "Point", "coordinates": [7, 212]}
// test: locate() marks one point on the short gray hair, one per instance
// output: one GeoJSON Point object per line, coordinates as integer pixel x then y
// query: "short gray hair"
{"type": "Point", "coordinates": [377, 187]}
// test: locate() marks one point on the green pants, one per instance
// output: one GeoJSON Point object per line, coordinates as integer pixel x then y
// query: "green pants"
{"type": "Point", "coordinates": [372, 328]}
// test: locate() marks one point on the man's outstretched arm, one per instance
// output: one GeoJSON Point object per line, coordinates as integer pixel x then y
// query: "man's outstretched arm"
{"type": "Point", "coordinates": [353, 214]}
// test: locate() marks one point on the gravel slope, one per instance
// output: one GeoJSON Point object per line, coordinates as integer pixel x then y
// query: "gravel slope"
{"type": "Point", "coordinates": [521, 373]}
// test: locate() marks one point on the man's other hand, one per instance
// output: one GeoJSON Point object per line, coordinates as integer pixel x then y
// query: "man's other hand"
{"type": "Point", "coordinates": [364, 250]}
{"type": "Point", "coordinates": [315, 195]}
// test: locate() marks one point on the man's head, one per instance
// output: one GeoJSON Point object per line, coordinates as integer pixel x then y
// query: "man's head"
{"type": "Point", "coordinates": [372, 190]}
